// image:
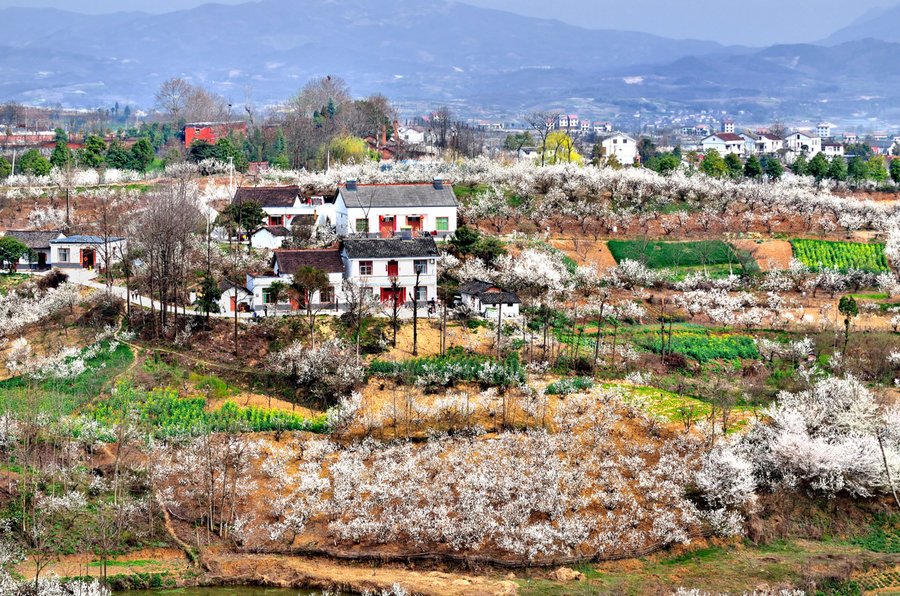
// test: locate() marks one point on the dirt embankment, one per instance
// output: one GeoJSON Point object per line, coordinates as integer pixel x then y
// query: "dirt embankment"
{"type": "Point", "coordinates": [324, 574]}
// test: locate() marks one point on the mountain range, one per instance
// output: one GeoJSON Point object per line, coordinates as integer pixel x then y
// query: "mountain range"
{"type": "Point", "coordinates": [444, 52]}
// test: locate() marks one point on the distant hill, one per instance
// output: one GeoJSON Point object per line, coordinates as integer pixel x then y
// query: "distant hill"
{"type": "Point", "coordinates": [879, 23]}
{"type": "Point", "coordinates": [405, 48]}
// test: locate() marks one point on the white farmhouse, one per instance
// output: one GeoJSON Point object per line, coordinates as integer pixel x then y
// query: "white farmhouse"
{"type": "Point", "coordinates": [376, 263]}
{"type": "Point", "coordinates": [86, 252]}
{"type": "Point", "coordinates": [804, 142]}
{"type": "Point", "coordinates": [39, 243]}
{"type": "Point", "coordinates": [831, 148]}
{"type": "Point", "coordinates": [285, 264]}
{"type": "Point", "coordinates": [622, 146]}
{"type": "Point", "coordinates": [234, 297]}
{"type": "Point", "coordinates": [270, 237]}
{"type": "Point", "coordinates": [762, 143]}
{"type": "Point", "coordinates": [283, 204]}
{"type": "Point", "coordinates": [489, 300]}
{"type": "Point", "coordinates": [385, 210]}
{"type": "Point", "coordinates": [724, 143]}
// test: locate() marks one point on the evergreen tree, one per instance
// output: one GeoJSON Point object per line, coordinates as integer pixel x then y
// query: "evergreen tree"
{"type": "Point", "coordinates": [800, 165]}
{"type": "Point", "coordinates": [92, 154]}
{"type": "Point", "coordinates": [818, 167]}
{"type": "Point", "coordinates": [895, 170]}
{"type": "Point", "coordinates": [713, 164]}
{"type": "Point", "coordinates": [837, 170]}
{"type": "Point", "coordinates": [62, 156]}
{"type": "Point", "coordinates": [32, 162]}
{"type": "Point", "coordinates": [753, 169]}
{"type": "Point", "coordinates": [142, 154]}
{"type": "Point", "coordinates": [877, 171]}
{"type": "Point", "coordinates": [118, 157]}
{"type": "Point", "coordinates": [5, 168]}
{"type": "Point", "coordinates": [857, 170]}
{"type": "Point", "coordinates": [60, 135]}
{"type": "Point", "coordinates": [773, 168]}
{"type": "Point", "coordinates": [734, 165]}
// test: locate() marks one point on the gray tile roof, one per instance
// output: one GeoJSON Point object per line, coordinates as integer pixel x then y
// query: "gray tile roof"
{"type": "Point", "coordinates": [479, 289]}
{"type": "Point", "coordinates": [324, 259]}
{"type": "Point", "coordinates": [275, 230]}
{"type": "Point", "coordinates": [390, 248]}
{"type": "Point", "coordinates": [268, 196]}
{"type": "Point", "coordinates": [85, 239]}
{"type": "Point", "coordinates": [399, 195]}
{"type": "Point", "coordinates": [34, 238]}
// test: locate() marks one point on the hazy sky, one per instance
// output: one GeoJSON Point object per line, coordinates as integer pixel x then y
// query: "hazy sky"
{"type": "Point", "coordinates": [761, 22]}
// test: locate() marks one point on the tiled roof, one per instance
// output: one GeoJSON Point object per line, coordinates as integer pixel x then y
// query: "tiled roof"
{"type": "Point", "coordinates": [268, 196]}
{"type": "Point", "coordinates": [390, 248]}
{"type": "Point", "coordinates": [399, 195]}
{"type": "Point", "coordinates": [476, 286]}
{"type": "Point", "coordinates": [227, 284]}
{"type": "Point", "coordinates": [325, 259]}
{"type": "Point", "coordinates": [479, 289]}
{"type": "Point", "coordinates": [498, 297]}
{"type": "Point", "coordinates": [34, 238]}
{"type": "Point", "coordinates": [275, 230]}
{"type": "Point", "coordinates": [729, 136]}
{"type": "Point", "coordinates": [85, 239]}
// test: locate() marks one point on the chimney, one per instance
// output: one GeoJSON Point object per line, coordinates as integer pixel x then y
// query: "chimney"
{"type": "Point", "coordinates": [438, 183]}
{"type": "Point", "coordinates": [383, 135]}
{"type": "Point", "coordinates": [351, 184]}
{"type": "Point", "coordinates": [396, 131]}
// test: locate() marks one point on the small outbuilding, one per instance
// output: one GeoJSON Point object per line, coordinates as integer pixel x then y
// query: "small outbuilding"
{"type": "Point", "coordinates": [38, 242]}
{"type": "Point", "coordinates": [489, 300]}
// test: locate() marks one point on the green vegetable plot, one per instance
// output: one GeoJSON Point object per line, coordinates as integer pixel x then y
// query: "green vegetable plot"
{"type": "Point", "coordinates": [824, 254]}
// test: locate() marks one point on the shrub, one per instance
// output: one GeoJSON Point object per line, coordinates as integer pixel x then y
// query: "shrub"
{"type": "Point", "coordinates": [570, 385]}
{"type": "Point", "coordinates": [448, 370]}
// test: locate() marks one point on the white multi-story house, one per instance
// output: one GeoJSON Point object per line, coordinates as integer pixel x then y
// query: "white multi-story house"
{"type": "Point", "coordinates": [761, 143]}
{"type": "Point", "coordinates": [585, 126]}
{"type": "Point", "coordinates": [804, 142]}
{"type": "Point", "coordinates": [724, 143]}
{"type": "Point", "coordinates": [379, 265]}
{"type": "Point", "coordinates": [622, 146]}
{"type": "Point", "coordinates": [728, 126]}
{"type": "Point", "coordinates": [823, 129]}
{"type": "Point", "coordinates": [285, 264]}
{"type": "Point", "coordinates": [602, 127]}
{"type": "Point", "coordinates": [283, 204]}
{"type": "Point", "coordinates": [385, 210]}
{"type": "Point", "coordinates": [830, 149]}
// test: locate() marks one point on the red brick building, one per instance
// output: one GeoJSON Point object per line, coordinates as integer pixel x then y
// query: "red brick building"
{"type": "Point", "coordinates": [211, 131]}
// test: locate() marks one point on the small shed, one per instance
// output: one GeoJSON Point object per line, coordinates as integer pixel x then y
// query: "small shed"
{"type": "Point", "coordinates": [488, 299]}
{"type": "Point", "coordinates": [234, 296]}
{"type": "Point", "coordinates": [39, 243]}
{"type": "Point", "coordinates": [270, 237]}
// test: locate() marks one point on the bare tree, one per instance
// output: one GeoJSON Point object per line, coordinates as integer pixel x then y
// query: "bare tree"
{"type": "Point", "coordinates": [317, 93]}
{"type": "Point", "coordinates": [172, 97]}
{"type": "Point", "coordinates": [360, 304]}
{"type": "Point", "coordinates": [542, 123]}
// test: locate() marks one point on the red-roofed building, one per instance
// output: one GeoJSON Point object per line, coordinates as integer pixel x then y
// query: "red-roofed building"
{"type": "Point", "coordinates": [211, 131]}
{"type": "Point", "coordinates": [724, 143]}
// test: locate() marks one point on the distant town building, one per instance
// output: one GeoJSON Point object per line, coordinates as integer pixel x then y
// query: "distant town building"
{"type": "Point", "coordinates": [823, 129]}
{"type": "Point", "coordinates": [211, 131]}
{"type": "Point", "coordinates": [728, 126]}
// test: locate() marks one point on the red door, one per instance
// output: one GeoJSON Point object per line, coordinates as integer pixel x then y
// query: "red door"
{"type": "Point", "coordinates": [386, 226]}
{"type": "Point", "coordinates": [414, 222]}
{"type": "Point", "coordinates": [233, 303]}
{"type": "Point", "coordinates": [392, 269]}
{"type": "Point", "coordinates": [387, 295]}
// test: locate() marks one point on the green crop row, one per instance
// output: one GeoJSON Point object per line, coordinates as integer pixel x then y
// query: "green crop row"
{"type": "Point", "coordinates": [702, 345]}
{"type": "Point", "coordinates": [169, 415]}
{"type": "Point", "coordinates": [662, 255]}
{"type": "Point", "coordinates": [824, 254]}
{"type": "Point", "coordinates": [450, 369]}
{"type": "Point", "coordinates": [570, 385]}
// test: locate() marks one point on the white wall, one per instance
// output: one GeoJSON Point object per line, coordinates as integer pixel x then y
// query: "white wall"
{"type": "Point", "coordinates": [264, 239]}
